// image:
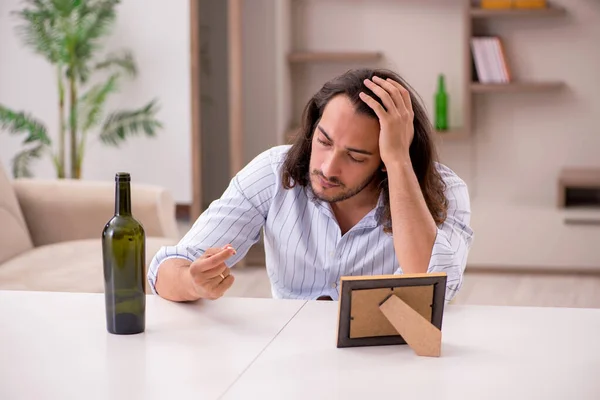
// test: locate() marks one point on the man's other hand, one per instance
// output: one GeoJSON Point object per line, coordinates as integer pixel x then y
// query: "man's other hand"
{"type": "Point", "coordinates": [210, 276]}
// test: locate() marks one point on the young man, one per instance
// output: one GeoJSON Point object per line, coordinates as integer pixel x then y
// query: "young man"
{"type": "Point", "coordinates": [359, 193]}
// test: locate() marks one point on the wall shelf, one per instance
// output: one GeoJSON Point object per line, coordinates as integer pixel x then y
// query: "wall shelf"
{"type": "Point", "coordinates": [476, 20]}
{"type": "Point", "coordinates": [515, 87]}
{"type": "Point", "coordinates": [550, 11]}
{"type": "Point", "coordinates": [471, 15]}
{"type": "Point", "coordinates": [333, 56]}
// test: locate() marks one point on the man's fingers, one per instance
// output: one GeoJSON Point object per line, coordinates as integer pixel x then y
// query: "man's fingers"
{"type": "Point", "coordinates": [213, 260]}
{"type": "Point", "coordinates": [200, 277]}
{"type": "Point", "coordinates": [215, 250]}
{"type": "Point", "coordinates": [382, 94]}
{"type": "Point", "coordinates": [212, 251]}
{"type": "Point", "coordinates": [225, 284]}
{"type": "Point", "coordinates": [405, 95]}
{"type": "Point", "coordinates": [374, 105]}
{"type": "Point", "coordinates": [218, 290]}
{"type": "Point", "coordinates": [393, 91]}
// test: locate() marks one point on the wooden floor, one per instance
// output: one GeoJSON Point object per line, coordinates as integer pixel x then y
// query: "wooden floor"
{"type": "Point", "coordinates": [480, 288]}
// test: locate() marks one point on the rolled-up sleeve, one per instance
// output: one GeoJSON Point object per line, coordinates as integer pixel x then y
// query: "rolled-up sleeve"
{"type": "Point", "coordinates": [236, 218]}
{"type": "Point", "coordinates": [454, 236]}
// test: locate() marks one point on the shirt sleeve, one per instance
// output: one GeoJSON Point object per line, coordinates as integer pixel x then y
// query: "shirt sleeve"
{"type": "Point", "coordinates": [236, 218]}
{"type": "Point", "coordinates": [454, 236]}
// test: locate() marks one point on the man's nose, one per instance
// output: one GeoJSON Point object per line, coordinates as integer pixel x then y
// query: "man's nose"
{"type": "Point", "coordinates": [331, 167]}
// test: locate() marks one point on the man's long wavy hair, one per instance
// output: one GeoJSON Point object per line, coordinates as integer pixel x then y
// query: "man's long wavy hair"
{"type": "Point", "coordinates": [422, 150]}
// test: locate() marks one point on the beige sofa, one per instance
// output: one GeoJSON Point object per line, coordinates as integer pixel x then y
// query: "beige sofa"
{"type": "Point", "coordinates": [50, 231]}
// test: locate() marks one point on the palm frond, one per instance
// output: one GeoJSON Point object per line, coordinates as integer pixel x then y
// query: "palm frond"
{"type": "Point", "coordinates": [123, 61]}
{"type": "Point", "coordinates": [97, 17]}
{"type": "Point", "coordinates": [93, 21]}
{"type": "Point", "coordinates": [120, 125]}
{"type": "Point", "coordinates": [89, 22]}
{"type": "Point", "coordinates": [40, 29]}
{"type": "Point", "coordinates": [20, 122]}
{"type": "Point", "coordinates": [90, 111]}
{"type": "Point", "coordinates": [64, 8]}
{"type": "Point", "coordinates": [21, 162]}
{"type": "Point", "coordinates": [92, 102]}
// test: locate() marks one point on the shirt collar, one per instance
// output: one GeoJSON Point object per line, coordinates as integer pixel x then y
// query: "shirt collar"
{"type": "Point", "coordinates": [369, 220]}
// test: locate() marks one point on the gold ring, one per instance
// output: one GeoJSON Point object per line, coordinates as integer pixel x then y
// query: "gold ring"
{"type": "Point", "coordinates": [222, 276]}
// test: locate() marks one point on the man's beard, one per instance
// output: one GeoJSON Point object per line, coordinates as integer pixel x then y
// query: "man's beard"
{"type": "Point", "coordinates": [346, 193]}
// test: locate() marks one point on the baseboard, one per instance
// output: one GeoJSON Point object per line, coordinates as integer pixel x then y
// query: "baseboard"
{"type": "Point", "coordinates": [531, 270]}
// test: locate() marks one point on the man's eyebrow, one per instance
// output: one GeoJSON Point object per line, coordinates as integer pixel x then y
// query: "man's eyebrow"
{"type": "Point", "coordinates": [365, 152]}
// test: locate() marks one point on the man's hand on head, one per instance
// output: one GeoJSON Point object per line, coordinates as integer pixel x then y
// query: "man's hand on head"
{"type": "Point", "coordinates": [211, 278]}
{"type": "Point", "coordinates": [395, 120]}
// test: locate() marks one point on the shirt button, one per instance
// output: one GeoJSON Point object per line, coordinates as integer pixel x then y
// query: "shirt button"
{"type": "Point", "coordinates": [332, 253]}
{"type": "Point", "coordinates": [334, 285]}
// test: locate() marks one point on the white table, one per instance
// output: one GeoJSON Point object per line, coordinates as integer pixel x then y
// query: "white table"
{"type": "Point", "coordinates": [487, 353]}
{"type": "Point", "coordinates": [55, 346]}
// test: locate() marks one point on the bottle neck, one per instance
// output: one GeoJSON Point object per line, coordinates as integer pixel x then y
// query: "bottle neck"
{"type": "Point", "coordinates": [441, 84]}
{"type": "Point", "coordinates": [123, 198]}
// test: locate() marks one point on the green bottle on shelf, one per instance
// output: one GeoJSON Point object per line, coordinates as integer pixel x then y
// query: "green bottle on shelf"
{"type": "Point", "coordinates": [123, 251]}
{"type": "Point", "coordinates": [441, 105]}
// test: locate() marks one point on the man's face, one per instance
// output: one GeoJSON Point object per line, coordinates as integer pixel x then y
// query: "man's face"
{"type": "Point", "coordinates": [345, 151]}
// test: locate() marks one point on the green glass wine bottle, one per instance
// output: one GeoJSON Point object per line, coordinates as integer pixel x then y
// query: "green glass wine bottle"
{"type": "Point", "coordinates": [124, 256]}
{"type": "Point", "coordinates": [441, 105]}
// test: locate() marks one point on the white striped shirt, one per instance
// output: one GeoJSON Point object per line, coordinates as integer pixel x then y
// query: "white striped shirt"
{"type": "Point", "coordinates": [305, 252]}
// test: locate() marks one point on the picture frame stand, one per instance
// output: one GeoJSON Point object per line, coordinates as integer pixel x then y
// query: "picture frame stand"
{"type": "Point", "coordinates": [421, 335]}
{"type": "Point", "coordinates": [393, 309]}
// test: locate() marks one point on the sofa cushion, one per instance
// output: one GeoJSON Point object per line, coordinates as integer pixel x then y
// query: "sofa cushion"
{"type": "Point", "coordinates": [14, 235]}
{"type": "Point", "coordinates": [74, 266]}
{"type": "Point", "coordinates": [61, 210]}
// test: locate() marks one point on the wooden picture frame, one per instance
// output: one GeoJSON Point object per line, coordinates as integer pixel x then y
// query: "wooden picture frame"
{"type": "Point", "coordinates": [373, 310]}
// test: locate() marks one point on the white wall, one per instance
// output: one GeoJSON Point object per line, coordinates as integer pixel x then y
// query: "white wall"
{"type": "Point", "coordinates": [523, 140]}
{"type": "Point", "coordinates": [418, 41]}
{"type": "Point", "coordinates": [520, 141]}
{"type": "Point", "coordinates": [158, 34]}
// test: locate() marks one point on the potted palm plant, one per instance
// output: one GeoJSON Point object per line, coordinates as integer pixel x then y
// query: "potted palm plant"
{"type": "Point", "coordinates": [68, 34]}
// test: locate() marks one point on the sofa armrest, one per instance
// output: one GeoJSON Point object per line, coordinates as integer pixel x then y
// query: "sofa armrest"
{"type": "Point", "coordinates": [60, 210]}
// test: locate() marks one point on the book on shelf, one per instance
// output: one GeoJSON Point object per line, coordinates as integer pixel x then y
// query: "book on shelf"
{"type": "Point", "coordinates": [489, 59]}
{"type": "Point", "coordinates": [495, 4]}
{"type": "Point", "coordinates": [504, 4]}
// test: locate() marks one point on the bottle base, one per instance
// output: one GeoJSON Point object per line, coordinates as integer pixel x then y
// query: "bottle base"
{"type": "Point", "coordinates": [126, 324]}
